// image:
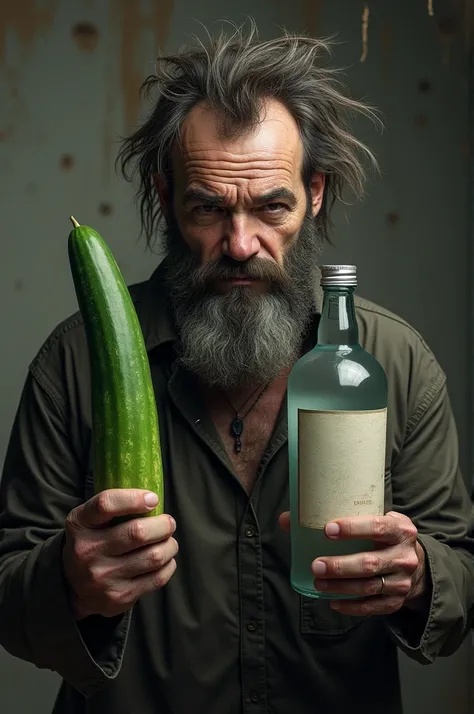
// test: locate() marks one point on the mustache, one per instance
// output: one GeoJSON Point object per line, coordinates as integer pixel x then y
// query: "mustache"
{"type": "Point", "coordinates": [226, 268]}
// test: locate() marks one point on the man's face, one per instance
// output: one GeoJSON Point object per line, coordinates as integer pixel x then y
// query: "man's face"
{"type": "Point", "coordinates": [241, 246]}
{"type": "Point", "coordinates": [241, 197]}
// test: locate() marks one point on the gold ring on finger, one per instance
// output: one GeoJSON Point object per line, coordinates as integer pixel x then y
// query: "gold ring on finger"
{"type": "Point", "coordinates": [382, 583]}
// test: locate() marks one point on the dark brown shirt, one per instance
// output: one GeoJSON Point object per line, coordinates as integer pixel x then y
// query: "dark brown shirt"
{"type": "Point", "coordinates": [227, 634]}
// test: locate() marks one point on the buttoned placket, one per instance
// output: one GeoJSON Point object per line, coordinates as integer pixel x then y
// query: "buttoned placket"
{"type": "Point", "coordinates": [252, 615]}
{"type": "Point", "coordinates": [250, 557]}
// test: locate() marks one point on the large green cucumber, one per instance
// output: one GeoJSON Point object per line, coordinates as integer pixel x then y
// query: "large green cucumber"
{"type": "Point", "coordinates": [125, 428]}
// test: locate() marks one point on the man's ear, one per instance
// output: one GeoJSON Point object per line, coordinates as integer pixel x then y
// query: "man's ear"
{"type": "Point", "coordinates": [163, 194]}
{"type": "Point", "coordinates": [318, 183]}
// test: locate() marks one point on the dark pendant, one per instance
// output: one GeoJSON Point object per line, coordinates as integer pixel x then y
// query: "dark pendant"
{"type": "Point", "coordinates": [236, 429]}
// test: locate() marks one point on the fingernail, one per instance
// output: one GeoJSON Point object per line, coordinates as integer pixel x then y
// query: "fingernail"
{"type": "Point", "coordinates": [335, 605]}
{"type": "Point", "coordinates": [173, 523]}
{"type": "Point", "coordinates": [319, 568]}
{"type": "Point", "coordinates": [151, 499]}
{"type": "Point", "coordinates": [332, 529]}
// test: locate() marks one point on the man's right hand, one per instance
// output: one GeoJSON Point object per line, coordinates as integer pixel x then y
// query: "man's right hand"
{"type": "Point", "coordinates": [110, 566]}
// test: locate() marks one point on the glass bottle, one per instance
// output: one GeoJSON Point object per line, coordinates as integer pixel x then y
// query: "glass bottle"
{"type": "Point", "coordinates": [337, 411]}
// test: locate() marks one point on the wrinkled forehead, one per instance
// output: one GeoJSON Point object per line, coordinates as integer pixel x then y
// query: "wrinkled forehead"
{"type": "Point", "coordinates": [274, 140]}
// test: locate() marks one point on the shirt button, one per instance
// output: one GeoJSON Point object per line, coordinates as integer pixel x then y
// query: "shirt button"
{"type": "Point", "coordinates": [250, 531]}
{"type": "Point", "coordinates": [254, 697]}
{"type": "Point", "coordinates": [252, 626]}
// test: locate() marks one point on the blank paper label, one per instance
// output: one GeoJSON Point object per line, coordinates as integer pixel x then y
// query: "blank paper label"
{"type": "Point", "coordinates": [341, 464]}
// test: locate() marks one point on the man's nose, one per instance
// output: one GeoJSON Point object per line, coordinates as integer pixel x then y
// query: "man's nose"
{"type": "Point", "coordinates": [240, 241]}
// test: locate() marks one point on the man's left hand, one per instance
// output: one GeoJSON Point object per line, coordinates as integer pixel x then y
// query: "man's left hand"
{"type": "Point", "coordinates": [384, 579]}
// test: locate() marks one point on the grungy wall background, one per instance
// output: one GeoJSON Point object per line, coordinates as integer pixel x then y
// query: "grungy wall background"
{"type": "Point", "coordinates": [70, 72]}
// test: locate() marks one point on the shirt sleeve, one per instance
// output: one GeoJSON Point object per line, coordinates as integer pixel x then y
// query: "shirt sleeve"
{"type": "Point", "coordinates": [428, 487]}
{"type": "Point", "coordinates": [42, 481]}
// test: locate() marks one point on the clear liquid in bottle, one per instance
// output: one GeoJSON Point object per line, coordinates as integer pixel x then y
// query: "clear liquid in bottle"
{"type": "Point", "coordinates": [337, 410]}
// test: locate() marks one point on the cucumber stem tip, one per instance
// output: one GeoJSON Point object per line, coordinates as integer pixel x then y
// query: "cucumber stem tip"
{"type": "Point", "coordinates": [74, 222]}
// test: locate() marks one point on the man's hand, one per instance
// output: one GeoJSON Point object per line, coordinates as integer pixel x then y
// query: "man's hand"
{"type": "Point", "coordinates": [398, 557]}
{"type": "Point", "coordinates": [108, 567]}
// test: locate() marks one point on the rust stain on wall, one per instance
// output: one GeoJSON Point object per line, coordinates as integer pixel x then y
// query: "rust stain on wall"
{"type": "Point", "coordinates": [105, 208]}
{"type": "Point", "coordinates": [424, 86]}
{"type": "Point", "coordinates": [133, 21]}
{"type": "Point", "coordinates": [26, 19]}
{"type": "Point", "coordinates": [66, 162]}
{"type": "Point", "coordinates": [312, 11]}
{"type": "Point", "coordinates": [447, 29]}
{"type": "Point", "coordinates": [86, 36]}
{"type": "Point", "coordinates": [108, 130]}
{"type": "Point", "coordinates": [421, 121]}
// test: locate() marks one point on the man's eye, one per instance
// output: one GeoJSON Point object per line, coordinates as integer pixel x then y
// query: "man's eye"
{"type": "Point", "coordinates": [274, 207]}
{"type": "Point", "coordinates": [203, 210]}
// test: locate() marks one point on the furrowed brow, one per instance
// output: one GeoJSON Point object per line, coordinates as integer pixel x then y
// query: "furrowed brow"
{"type": "Point", "coordinates": [191, 195]}
{"type": "Point", "coordinates": [276, 194]}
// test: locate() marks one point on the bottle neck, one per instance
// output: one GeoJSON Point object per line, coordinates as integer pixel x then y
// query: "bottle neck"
{"type": "Point", "coordinates": [338, 323]}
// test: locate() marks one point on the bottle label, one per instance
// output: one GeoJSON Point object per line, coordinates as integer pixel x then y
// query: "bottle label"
{"type": "Point", "coordinates": [341, 464]}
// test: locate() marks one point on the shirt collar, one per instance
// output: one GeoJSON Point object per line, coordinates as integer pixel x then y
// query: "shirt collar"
{"type": "Point", "coordinates": [154, 311]}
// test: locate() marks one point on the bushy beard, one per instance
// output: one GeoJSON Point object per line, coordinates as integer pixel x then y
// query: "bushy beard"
{"type": "Point", "coordinates": [242, 337]}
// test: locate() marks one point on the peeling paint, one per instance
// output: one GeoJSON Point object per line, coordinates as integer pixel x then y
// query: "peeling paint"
{"type": "Point", "coordinates": [365, 33]}
{"type": "Point", "coordinates": [26, 19]}
{"type": "Point", "coordinates": [86, 36]}
{"type": "Point", "coordinates": [132, 20]}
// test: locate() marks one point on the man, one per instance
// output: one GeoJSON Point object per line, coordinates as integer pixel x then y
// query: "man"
{"type": "Point", "coordinates": [245, 149]}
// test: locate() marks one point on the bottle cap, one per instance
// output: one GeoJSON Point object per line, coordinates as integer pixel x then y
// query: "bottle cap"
{"type": "Point", "coordinates": [338, 275]}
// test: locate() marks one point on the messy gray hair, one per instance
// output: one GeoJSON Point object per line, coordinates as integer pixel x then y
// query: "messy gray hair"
{"type": "Point", "coordinates": [233, 75]}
